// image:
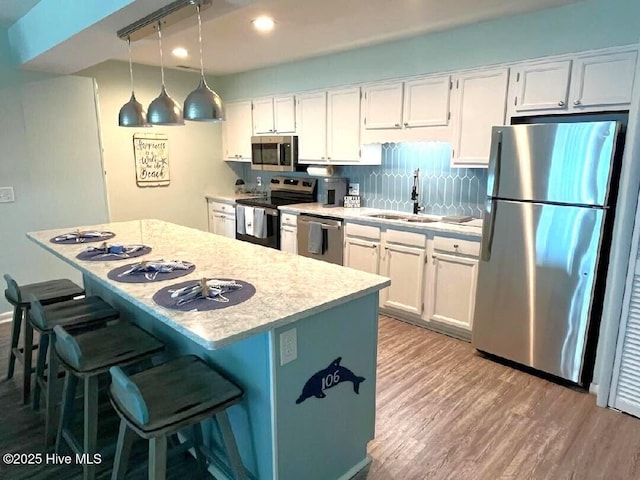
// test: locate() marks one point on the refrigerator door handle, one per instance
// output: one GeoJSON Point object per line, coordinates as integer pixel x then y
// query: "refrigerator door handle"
{"type": "Point", "coordinates": [488, 225]}
{"type": "Point", "coordinates": [495, 158]}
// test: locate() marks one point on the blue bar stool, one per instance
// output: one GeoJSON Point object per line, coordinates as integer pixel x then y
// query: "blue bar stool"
{"type": "Point", "coordinates": [47, 293]}
{"type": "Point", "coordinates": [160, 401]}
{"type": "Point", "coordinates": [73, 315]}
{"type": "Point", "coordinates": [86, 356]}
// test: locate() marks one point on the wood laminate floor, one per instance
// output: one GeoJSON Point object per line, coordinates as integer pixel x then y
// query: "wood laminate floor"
{"type": "Point", "coordinates": [443, 412]}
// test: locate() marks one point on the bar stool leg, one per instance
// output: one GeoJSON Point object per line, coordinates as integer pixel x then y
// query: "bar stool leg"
{"type": "Point", "coordinates": [126, 436]}
{"type": "Point", "coordinates": [230, 445]}
{"type": "Point", "coordinates": [197, 446]}
{"type": "Point", "coordinates": [90, 424]}
{"type": "Point", "coordinates": [28, 351]}
{"type": "Point", "coordinates": [15, 338]}
{"type": "Point", "coordinates": [52, 393]}
{"type": "Point", "coordinates": [40, 365]}
{"type": "Point", "coordinates": [70, 385]}
{"type": "Point", "coordinates": [158, 458]}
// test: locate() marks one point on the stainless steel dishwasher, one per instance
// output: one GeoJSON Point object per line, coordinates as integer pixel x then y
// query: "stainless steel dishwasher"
{"type": "Point", "coordinates": [332, 239]}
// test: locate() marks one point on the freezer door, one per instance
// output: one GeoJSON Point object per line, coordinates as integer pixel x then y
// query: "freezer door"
{"type": "Point", "coordinates": [535, 284]}
{"type": "Point", "coordinates": [562, 162]}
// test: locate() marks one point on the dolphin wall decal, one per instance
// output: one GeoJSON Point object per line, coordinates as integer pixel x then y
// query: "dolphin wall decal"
{"type": "Point", "coordinates": [327, 378]}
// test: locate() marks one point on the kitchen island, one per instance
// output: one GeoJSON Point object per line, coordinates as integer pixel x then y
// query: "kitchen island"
{"type": "Point", "coordinates": [308, 417]}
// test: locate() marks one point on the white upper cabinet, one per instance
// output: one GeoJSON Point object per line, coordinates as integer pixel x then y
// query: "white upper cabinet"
{"type": "Point", "coordinates": [542, 86]}
{"type": "Point", "coordinates": [603, 80]}
{"type": "Point", "coordinates": [237, 131]}
{"type": "Point", "coordinates": [426, 102]}
{"type": "Point", "coordinates": [480, 103]}
{"type": "Point", "coordinates": [312, 127]}
{"type": "Point", "coordinates": [382, 106]}
{"type": "Point", "coordinates": [274, 115]}
{"type": "Point", "coordinates": [422, 102]}
{"type": "Point", "coordinates": [343, 125]}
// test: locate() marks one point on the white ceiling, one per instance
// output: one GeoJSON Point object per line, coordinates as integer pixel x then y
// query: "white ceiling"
{"type": "Point", "coordinates": [304, 29]}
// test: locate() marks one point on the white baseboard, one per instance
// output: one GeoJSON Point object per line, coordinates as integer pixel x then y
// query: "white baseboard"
{"type": "Point", "coordinates": [594, 388]}
{"type": "Point", "coordinates": [6, 317]}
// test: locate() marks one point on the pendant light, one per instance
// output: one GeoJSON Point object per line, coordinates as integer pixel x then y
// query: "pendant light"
{"type": "Point", "coordinates": [203, 104]}
{"type": "Point", "coordinates": [164, 110]}
{"type": "Point", "coordinates": [132, 114]}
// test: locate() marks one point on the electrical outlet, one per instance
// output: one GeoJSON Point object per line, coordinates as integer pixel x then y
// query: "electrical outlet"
{"type": "Point", "coordinates": [288, 346]}
{"type": "Point", "coordinates": [6, 195]}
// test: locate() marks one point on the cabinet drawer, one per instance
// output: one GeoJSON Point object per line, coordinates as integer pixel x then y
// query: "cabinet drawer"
{"type": "Point", "coordinates": [221, 207]}
{"type": "Point", "coordinates": [289, 219]}
{"type": "Point", "coordinates": [453, 245]}
{"type": "Point", "coordinates": [364, 231]}
{"type": "Point", "coordinates": [405, 238]}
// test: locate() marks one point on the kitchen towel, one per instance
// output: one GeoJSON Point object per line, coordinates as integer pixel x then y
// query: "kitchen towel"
{"type": "Point", "coordinates": [316, 238]}
{"type": "Point", "coordinates": [248, 220]}
{"type": "Point", "coordinates": [240, 219]}
{"type": "Point", "coordinates": [259, 223]}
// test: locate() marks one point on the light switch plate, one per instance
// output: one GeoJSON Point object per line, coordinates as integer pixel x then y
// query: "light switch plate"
{"type": "Point", "coordinates": [288, 346]}
{"type": "Point", "coordinates": [6, 195]}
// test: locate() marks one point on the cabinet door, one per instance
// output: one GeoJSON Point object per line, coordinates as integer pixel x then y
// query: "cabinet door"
{"type": "Point", "coordinates": [362, 255]}
{"type": "Point", "coordinates": [405, 267]}
{"type": "Point", "coordinates": [426, 102]}
{"type": "Point", "coordinates": [229, 228]}
{"type": "Point", "coordinates": [263, 116]}
{"type": "Point", "coordinates": [543, 86]}
{"type": "Point", "coordinates": [453, 290]}
{"type": "Point", "coordinates": [289, 239]}
{"type": "Point", "coordinates": [312, 127]}
{"type": "Point", "coordinates": [603, 80]}
{"type": "Point", "coordinates": [480, 104]}
{"type": "Point", "coordinates": [217, 223]}
{"type": "Point", "coordinates": [237, 131]}
{"type": "Point", "coordinates": [382, 106]}
{"type": "Point", "coordinates": [284, 113]}
{"type": "Point", "coordinates": [343, 125]}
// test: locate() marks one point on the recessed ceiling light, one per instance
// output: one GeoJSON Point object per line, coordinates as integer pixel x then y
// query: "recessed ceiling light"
{"type": "Point", "coordinates": [180, 52]}
{"type": "Point", "coordinates": [263, 24]}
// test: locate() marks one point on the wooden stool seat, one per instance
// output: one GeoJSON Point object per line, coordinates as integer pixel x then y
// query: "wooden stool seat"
{"type": "Point", "coordinates": [74, 315]}
{"type": "Point", "coordinates": [85, 356]}
{"type": "Point", "coordinates": [160, 401]}
{"type": "Point", "coordinates": [47, 293]}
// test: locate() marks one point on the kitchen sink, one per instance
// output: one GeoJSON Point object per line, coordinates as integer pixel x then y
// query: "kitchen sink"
{"type": "Point", "coordinates": [421, 220]}
{"type": "Point", "coordinates": [389, 216]}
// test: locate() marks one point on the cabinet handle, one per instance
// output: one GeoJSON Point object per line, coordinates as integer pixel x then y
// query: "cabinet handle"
{"type": "Point", "coordinates": [406, 124]}
{"type": "Point", "coordinates": [455, 245]}
{"type": "Point", "coordinates": [328, 158]}
{"type": "Point", "coordinates": [561, 103]}
{"type": "Point", "coordinates": [397, 125]}
{"type": "Point", "coordinates": [577, 102]}
{"type": "Point", "coordinates": [321, 158]}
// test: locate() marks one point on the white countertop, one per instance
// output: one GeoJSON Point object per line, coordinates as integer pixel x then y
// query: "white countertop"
{"type": "Point", "coordinates": [230, 198]}
{"type": "Point", "coordinates": [284, 283]}
{"type": "Point", "coordinates": [472, 228]}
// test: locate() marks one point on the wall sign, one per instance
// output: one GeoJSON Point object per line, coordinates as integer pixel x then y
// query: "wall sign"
{"type": "Point", "coordinates": [328, 378]}
{"type": "Point", "coordinates": [151, 155]}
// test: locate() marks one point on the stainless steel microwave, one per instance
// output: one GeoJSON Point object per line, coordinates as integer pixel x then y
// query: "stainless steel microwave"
{"type": "Point", "coordinates": [274, 153]}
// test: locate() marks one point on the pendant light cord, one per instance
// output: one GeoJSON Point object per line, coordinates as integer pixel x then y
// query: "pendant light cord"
{"type": "Point", "coordinates": [200, 39]}
{"type": "Point", "coordinates": [160, 42]}
{"type": "Point", "coordinates": [130, 66]}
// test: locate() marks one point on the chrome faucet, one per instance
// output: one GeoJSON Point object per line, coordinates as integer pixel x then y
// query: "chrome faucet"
{"type": "Point", "coordinates": [414, 193]}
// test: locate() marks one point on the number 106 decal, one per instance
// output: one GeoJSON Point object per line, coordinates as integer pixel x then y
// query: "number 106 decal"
{"type": "Point", "coordinates": [327, 378]}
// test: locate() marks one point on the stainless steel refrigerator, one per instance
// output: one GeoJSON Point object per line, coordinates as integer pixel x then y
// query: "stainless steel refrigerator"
{"type": "Point", "coordinates": [549, 194]}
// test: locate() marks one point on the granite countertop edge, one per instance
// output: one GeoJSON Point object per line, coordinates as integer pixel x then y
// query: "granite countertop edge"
{"type": "Point", "coordinates": [360, 215]}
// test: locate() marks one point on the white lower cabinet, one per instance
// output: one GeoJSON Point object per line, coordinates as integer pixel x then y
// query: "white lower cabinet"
{"type": "Point", "coordinates": [289, 233]}
{"type": "Point", "coordinates": [222, 219]}
{"type": "Point", "coordinates": [361, 254]}
{"type": "Point", "coordinates": [451, 282]}
{"type": "Point", "coordinates": [403, 261]}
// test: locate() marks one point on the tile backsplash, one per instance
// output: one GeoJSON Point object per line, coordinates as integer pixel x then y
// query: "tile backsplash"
{"type": "Point", "coordinates": [443, 190]}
